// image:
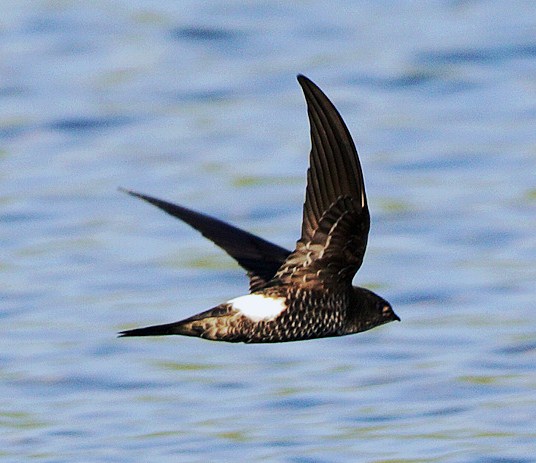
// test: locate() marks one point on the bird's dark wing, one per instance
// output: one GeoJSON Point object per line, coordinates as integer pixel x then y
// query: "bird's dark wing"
{"type": "Point", "coordinates": [336, 220]}
{"type": "Point", "coordinates": [259, 257]}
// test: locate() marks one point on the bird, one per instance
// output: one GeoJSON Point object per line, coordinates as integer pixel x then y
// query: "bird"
{"type": "Point", "coordinates": [306, 293]}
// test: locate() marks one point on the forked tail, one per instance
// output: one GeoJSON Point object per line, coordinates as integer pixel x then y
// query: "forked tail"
{"type": "Point", "coordinates": [156, 330]}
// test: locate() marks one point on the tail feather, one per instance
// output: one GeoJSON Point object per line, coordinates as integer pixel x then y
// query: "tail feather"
{"type": "Point", "coordinates": [201, 325]}
{"type": "Point", "coordinates": [155, 330]}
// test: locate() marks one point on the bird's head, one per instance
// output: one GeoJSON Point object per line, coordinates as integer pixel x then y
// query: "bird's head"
{"type": "Point", "coordinates": [369, 310]}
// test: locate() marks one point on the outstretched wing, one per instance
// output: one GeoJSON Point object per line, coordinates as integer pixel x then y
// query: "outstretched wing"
{"type": "Point", "coordinates": [336, 219]}
{"type": "Point", "coordinates": [259, 257]}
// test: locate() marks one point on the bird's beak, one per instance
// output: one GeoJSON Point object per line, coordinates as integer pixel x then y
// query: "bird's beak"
{"type": "Point", "coordinates": [389, 313]}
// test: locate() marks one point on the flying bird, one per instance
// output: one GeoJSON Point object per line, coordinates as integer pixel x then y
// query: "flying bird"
{"type": "Point", "coordinates": [306, 293]}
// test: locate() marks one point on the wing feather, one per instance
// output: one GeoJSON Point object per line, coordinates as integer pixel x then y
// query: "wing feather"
{"type": "Point", "coordinates": [336, 219]}
{"type": "Point", "coordinates": [260, 258]}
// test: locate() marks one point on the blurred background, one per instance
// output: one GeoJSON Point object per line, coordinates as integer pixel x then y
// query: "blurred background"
{"type": "Point", "coordinates": [197, 103]}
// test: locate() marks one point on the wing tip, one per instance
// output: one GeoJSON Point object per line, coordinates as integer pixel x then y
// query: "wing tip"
{"type": "Point", "coordinates": [305, 82]}
{"type": "Point", "coordinates": [129, 192]}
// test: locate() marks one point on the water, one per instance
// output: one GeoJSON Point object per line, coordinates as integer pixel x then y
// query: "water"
{"type": "Point", "coordinates": [197, 103]}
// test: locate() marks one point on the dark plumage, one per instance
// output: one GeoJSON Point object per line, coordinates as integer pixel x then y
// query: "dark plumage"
{"type": "Point", "coordinates": [306, 293]}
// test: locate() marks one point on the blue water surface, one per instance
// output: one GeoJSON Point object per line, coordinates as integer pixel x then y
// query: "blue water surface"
{"type": "Point", "coordinates": [197, 102]}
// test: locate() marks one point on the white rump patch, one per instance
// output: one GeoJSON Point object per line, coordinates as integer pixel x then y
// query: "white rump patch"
{"type": "Point", "coordinates": [259, 307]}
